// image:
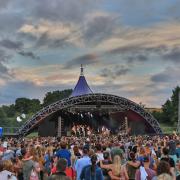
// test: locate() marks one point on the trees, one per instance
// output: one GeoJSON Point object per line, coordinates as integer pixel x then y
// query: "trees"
{"type": "Point", "coordinates": [25, 105]}
{"type": "Point", "coordinates": [54, 96]}
{"type": "Point", "coordinates": [169, 112]}
{"type": "Point", "coordinates": [8, 114]}
{"type": "Point", "coordinates": [3, 121]}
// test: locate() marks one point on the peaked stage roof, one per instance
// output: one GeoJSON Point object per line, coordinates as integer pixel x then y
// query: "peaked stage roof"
{"type": "Point", "coordinates": [82, 86]}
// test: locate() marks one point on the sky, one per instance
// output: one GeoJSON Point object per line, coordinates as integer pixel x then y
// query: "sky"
{"type": "Point", "coordinates": [128, 48]}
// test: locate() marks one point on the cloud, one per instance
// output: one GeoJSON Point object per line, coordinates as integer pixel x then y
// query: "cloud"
{"type": "Point", "coordinates": [137, 49]}
{"type": "Point", "coordinates": [17, 46]}
{"type": "Point", "coordinates": [16, 89]}
{"type": "Point", "coordinates": [168, 76]}
{"type": "Point", "coordinates": [4, 3]}
{"type": "Point", "coordinates": [114, 72]}
{"type": "Point", "coordinates": [84, 59]}
{"type": "Point", "coordinates": [10, 22]}
{"type": "Point", "coordinates": [162, 77]}
{"type": "Point", "coordinates": [46, 75]}
{"type": "Point", "coordinates": [29, 54]}
{"type": "Point", "coordinates": [173, 55]}
{"type": "Point", "coordinates": [51, 34]}
{"type": "Point", "coordinates": [60, 10]}
{"type": "Point", "coordinates": [4, 71]}
{"type": "Point", "coordinates": [139, 57]}
{"type": "Point", "coordinates": [46, 41]}
{"type": "Point", "coordinates": [99, 26]}
{"type": "Point", "coordinates": [12, 45]}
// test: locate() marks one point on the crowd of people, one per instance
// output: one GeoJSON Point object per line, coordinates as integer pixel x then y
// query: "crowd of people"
{"type": "Point", "coordinates": [94, 157]}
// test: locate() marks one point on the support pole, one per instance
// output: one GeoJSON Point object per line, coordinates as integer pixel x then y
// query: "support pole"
{"type": "Point", "coordinates": [59, 133]}
{"type": "Point", "coordinates": [126, 125]}
{"type": "Point", "coordinates": [178, 127]}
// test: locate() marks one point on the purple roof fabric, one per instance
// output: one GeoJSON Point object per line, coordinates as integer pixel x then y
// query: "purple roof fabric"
{"type": "Point", "coordinates": [81, 87]}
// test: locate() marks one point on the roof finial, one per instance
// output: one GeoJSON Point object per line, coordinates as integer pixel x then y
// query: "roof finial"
{"type": "Point", "coordinates": [82, 74]}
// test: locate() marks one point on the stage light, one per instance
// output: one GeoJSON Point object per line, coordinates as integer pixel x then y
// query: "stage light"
{"type": "Point", "coordinates": [82, 115]}
{"type": "Point", "coordinates": [23, 116]}
{"type": "Point", "coordinates": [18, 119]}
{"type": "Point", "coordinates": [91, 115]}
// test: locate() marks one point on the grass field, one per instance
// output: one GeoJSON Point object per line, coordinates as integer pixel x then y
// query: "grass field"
{"type": "Point", "coordinates": [167, 129]}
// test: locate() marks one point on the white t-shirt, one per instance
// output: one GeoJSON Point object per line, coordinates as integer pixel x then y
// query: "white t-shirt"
{"type": "Point", "coordinates": [7, 175]}
{"type": "Point", "coordinates": [100, 156]}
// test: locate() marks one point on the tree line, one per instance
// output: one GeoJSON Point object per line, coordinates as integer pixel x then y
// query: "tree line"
{"type": "Point", "coordinates": [8, 113]}
{"type": "Point", "coordinates": [169, 113]}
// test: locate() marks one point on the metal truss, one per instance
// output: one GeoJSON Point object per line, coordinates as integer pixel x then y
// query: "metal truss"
{"type": "Point", "coordinates": [100, 99]}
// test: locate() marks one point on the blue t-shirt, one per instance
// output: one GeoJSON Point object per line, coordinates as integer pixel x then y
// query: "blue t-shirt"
{"type": "Point", "coordinates": [64, 153]}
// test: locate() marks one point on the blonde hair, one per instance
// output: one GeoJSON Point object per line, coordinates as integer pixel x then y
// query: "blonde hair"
{"type": "Point", "coordinates": [117, 165]}
{"type": "Point", "coordinates": [164, 176]}
{"type": "Point", "coordinates": [8, 165]}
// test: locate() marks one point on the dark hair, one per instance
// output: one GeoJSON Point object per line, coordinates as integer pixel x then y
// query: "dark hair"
{"type": "Point", "coordinates": [63, 145]}
{"type": "Point", "coordinates": [165, 151]}
{"type": "Point", "coordinates": [85, 150]}
{"type": "Point", "coordinates": [1, 165]}
{"type": "Point", "coordinates": [134, 149]}
{"type": "Point", "coordinates": [163, 167]}
{"type": "Point", "coordinates": [132, 156]}
{"type": "Point", "coordinates": [93, 161]}
{"type": "Point", "coordinates": [98, 147]}
{"type": "Point", "coordinates": [104, 148]}
{"type": "Point", "coordinates": [106, 155]}
{"type": "Point", "coordinates": [23, 151]}
{"type": "Point", "coordinates": [61, 165]}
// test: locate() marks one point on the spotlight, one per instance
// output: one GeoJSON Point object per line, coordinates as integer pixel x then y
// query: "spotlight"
{"type": "Point", "coordinates": [91, 115]}
{"type": "Point", "coordinates": [18, 119]}
{"type": "Point", "coordinates": [23, 116]}
{"type": "Point", "coordinates": [82, 115]}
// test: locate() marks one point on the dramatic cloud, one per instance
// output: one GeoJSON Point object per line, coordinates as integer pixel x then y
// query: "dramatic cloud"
{"type": "Point", "coordinates": [100, 26]}
{"type": "Point", "coordinates": [140, 57]}
{"type": "Point", "coordinates": [29, 54]}
{"type": "Point", "coordinates": [168, 76]}
{"type": "Point", "coordinates": [13, 45]}
{"type": "Point", "coordinates": [51, 34]}
{"type": "Point", "coordinates": [10, 22]}
{"type": "Point", "coordinates": [4, 72]}
{"type": "Point", "coordinates": [60, 10]}
{"type": "Point", "coordinates": [132, 48]}
{"type": "Point", "coordinates": [161, 78]}
{"type": "Point", "coordinates": [173, 55]}
{"type": "Point", "coordinates": [114, 72]}
{"type": "Point", "coordinates": [85, 59]}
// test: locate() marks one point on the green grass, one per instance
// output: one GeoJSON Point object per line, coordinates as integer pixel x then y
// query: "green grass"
{"type": "Point", "coordinates": [167, 128]}
{"type": "Point", "coordinates": [33, 134]}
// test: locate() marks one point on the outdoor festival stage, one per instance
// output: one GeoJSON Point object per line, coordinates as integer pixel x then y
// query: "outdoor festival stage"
{"type": "Point", "coordinates": [96, 110]}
